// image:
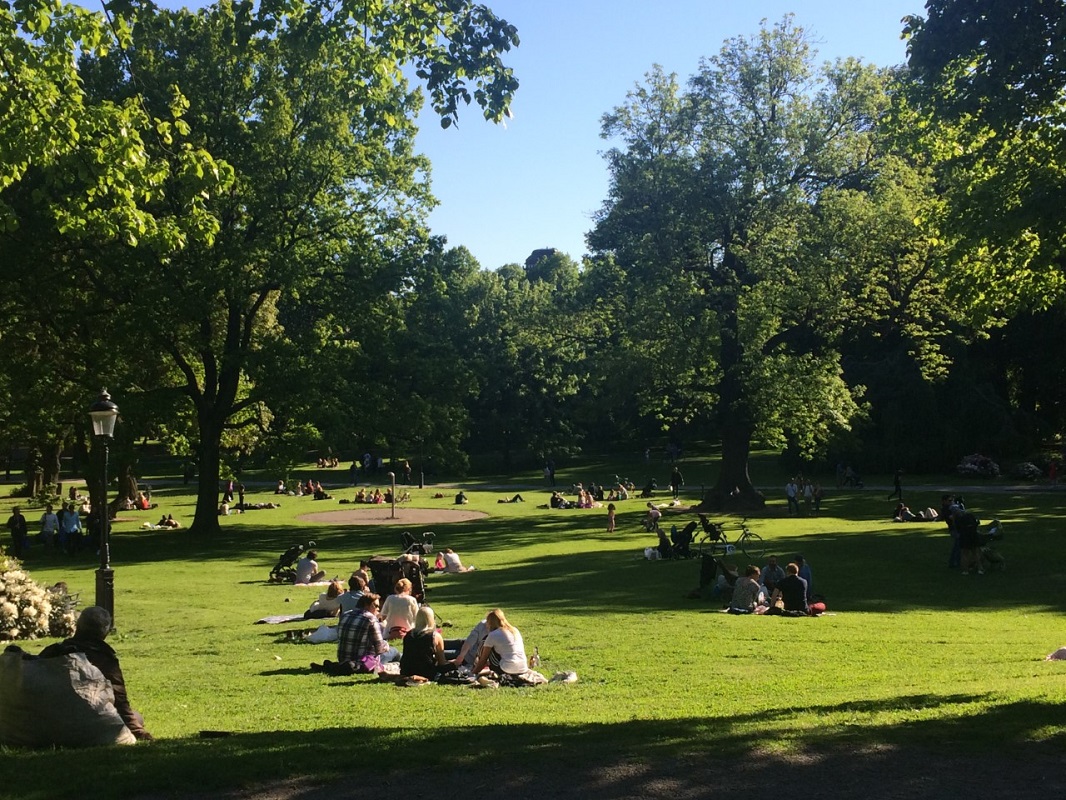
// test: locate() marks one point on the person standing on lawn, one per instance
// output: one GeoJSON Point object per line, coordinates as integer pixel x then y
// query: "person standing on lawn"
{"type": "Point", "coordinates": [16, 523]}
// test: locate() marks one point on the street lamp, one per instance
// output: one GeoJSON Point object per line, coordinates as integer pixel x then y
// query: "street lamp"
{"type": "Point", "coordinates": [421, 466]}
{"type": "Point", "coordinates": [104, 414]}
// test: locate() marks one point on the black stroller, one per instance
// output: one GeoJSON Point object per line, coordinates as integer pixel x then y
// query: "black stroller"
{"type": "Point", "coordinates": [387, 571]}
{"type": "Point", "coordinates": [412, 545]}
{"type": "Point", "coordinates": [285, 570]}
{"type": "Point", "coordinates": [682, 540]}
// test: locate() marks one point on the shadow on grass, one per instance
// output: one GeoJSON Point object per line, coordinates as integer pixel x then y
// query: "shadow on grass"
{"type": "Point", "coordinates": [880, 568]}
{"type": "Point", "coordinates": [592, 760]}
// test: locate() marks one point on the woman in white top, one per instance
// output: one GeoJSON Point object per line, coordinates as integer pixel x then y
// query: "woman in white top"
{"type": "Point", "coordinates": [398, 612]}
{"type": "Point", "coordinates": [503, 651]}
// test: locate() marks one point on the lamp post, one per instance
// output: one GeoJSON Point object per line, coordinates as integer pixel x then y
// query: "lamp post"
{"type": "Point", "coordinates": [104, 414]}
{"type": "Point", "coordinates": [421, 466]}
{"type": "Point", "coordinates": [392, 493]}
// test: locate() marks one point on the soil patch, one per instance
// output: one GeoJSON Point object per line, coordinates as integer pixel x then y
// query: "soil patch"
{"type": "Point", "coordinates": [382, 515]}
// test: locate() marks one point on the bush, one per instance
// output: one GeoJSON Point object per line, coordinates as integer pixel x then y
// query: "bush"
{"type": "Point", "coordinates": [28, 610]}
{"type": "Point", "coordinates": [979, 466]}
{"type": "Point", "coordinates": [1027, 471]}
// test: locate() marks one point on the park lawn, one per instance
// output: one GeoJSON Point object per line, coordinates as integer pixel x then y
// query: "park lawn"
{"type": "Point", "coordinates": [911, 653]}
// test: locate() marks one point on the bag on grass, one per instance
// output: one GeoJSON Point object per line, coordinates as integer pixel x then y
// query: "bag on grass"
{"type": "Point", "coordinates": [63, 701]}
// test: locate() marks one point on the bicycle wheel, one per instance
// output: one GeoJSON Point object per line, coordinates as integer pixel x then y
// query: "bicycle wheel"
{"type": "Point", "coordinates": [753, 545]}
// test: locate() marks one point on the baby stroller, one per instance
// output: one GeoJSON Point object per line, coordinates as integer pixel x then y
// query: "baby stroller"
{"type": "Point", "coordinates": [412, 545]}
{"type": "Point", "coordinates": [682, 539]}
{"type": "Point", "coordinates": [387, 571]}
{"type": "Point", "coordinates": [991, 558]}
{"type": "Point", "coordinates": [285, 570]}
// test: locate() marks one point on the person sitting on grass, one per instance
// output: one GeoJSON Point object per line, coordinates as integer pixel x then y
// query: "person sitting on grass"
{"type": "Point", "coordinates": [398, 613]}
{"type": "Point", "coordinates": [771, 575]}
{"type": "Point", "coordinates": [360, 496]}
{"type": "Point", "coordinates": [328, 603]}
{"type": "Point", "coordinates": [461, 499]}
{"type": "Point", "coordinates": [792, 592]}
{"type": "Point", "coordinates": [748, 593]}
{"type": "Point", "coordinates": [451, 562]}
{"type": "Point", "coordinates": [349, 601]}
{"type": "Point", "coordinates": [423, 648]}
{"type": "Point", "coordinates": [359, 641]}
{"type": "Point", "coordinates": [91, 629]}
{"type": "Point", "coordinates": [503, 652]}
{"type": "Point", "coordinates": [307, 570]}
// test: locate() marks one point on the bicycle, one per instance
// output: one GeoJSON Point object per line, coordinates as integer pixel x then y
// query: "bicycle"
{"type": "Point", "coordinates": [714, 537]}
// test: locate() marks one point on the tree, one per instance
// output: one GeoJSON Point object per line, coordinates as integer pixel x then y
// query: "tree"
{"type": "Point", "coordinates": [713, 212]}
{"type": "Point", "coordinates": [989, 78]}
{"type": "Point", "coordinates": [76, 175]}
{"type": "Point", "coordinates": [307, 104]}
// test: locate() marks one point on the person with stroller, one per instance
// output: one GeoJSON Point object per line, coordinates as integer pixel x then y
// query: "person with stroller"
{"type": "Point", "coordinates": [307, 570]}
{"type": "Point", "coordinates": [423, 649]}
{"type": "Point", "coordinates": [503, 652]}
{"type": "Point", "coordinates": [399, 610]}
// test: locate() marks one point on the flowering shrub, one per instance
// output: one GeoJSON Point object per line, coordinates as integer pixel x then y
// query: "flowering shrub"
{"type": "Point", "coordinates": [978, 465]}
{"type": "Point", "coordinates": [1027, 471]}
{"type": "Point", "coordinates": [27, 610]}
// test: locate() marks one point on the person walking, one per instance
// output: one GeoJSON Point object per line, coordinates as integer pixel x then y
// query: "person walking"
{"type": "Point", "coordinates": [897, 485]}
{"type": "Point", "coordinates": [676, 481]}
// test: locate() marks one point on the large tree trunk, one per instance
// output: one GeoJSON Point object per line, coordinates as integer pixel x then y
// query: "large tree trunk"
{"type": "Point", "coordinates": [205, 519]}
{"type": "Point", "coordinates": [734, 490]}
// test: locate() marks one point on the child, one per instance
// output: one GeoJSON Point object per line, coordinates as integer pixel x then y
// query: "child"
{"type": "Point", "coordinates": [610, 518]}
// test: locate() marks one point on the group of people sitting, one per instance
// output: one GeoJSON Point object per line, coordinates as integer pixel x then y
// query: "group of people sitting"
{"type": "Point", "coordinates": [378, 496]}
{"type": "Point", "coordinates": [141, 502]}
{"type": "Point", "coordinates": [769, 590]}
{"type": "Point", "coordinates": [772, 590]}
{"type": "Point", "coordinates": [329, 462]}
{"type": "Point", "coordinates": [368, 625]}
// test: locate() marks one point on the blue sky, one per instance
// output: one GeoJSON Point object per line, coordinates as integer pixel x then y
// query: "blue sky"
{"type": "Point", "coordinates": [504, 192]}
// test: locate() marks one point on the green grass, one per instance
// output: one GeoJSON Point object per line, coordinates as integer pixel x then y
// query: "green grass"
{"type": "Point", "coordinates": [912, 653]}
